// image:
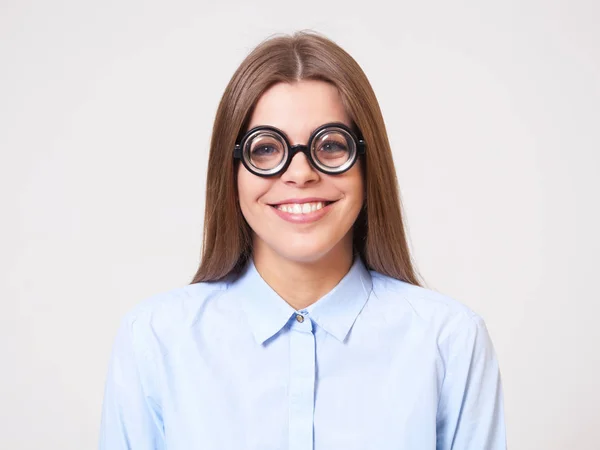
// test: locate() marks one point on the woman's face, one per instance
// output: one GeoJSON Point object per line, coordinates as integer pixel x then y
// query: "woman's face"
{"type": "Point", "coordinates": [297, 109]}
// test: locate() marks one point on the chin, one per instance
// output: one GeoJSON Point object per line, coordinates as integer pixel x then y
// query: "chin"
{"type": "Point", "coordinates": [303, 249]}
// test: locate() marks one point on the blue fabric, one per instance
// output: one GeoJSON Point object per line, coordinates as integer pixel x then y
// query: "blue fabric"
{"type": "Point", "coordinates": [376, 363]}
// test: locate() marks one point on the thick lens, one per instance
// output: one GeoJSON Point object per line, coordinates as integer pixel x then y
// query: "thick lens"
{"type": "Point", "coordinates": [333, 148]}
{"type": "Point", "coordinates": [265, 150]}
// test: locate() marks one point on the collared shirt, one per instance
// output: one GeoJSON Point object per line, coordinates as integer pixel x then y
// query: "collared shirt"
{"type": "Point", "coordinates": [376, 363]}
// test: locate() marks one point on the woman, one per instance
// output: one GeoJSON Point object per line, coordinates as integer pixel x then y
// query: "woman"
{"type": "Point", "coordinates": [305, 326]}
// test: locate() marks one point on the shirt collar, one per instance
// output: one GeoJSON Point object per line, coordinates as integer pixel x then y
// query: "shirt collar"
{"type": "Point", "coordinates": [335, 312]}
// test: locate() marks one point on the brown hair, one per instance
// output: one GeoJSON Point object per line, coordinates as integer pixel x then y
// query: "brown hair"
{"type": "Point", "coordinates": [379, 235]}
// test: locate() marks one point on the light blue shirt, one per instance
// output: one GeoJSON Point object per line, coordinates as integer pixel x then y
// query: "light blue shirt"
{"type": "Point", "coordinates": [375, 364]}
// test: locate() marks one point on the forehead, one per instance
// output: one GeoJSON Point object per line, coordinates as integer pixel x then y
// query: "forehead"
{"type": "Point", "coordinates": [298, 108]}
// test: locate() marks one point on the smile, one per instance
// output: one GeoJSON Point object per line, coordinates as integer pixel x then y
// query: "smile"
{"type": "Point", "coordinates": [302, 212]}
{"type": "Point", "coordinates": [301, 208]}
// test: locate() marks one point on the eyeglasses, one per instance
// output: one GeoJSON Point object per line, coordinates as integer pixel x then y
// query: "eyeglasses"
{"type": "Point", "coordinates": [332, 149]}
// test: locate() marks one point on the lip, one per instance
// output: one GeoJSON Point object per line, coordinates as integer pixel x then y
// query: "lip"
{"type": "Point", "coordinates": [303, 200]}
{"type": "Point", "coordinates": [312, 216]}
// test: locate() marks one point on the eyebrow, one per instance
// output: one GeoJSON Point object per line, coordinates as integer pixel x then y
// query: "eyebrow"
{"type": "Point", "coordinates": [311, 131]}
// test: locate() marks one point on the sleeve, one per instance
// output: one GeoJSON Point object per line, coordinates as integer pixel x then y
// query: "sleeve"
{"type": "Point", "coordinates": [471, 407]}
{"type": "Point", "coordinates": [131, 419]}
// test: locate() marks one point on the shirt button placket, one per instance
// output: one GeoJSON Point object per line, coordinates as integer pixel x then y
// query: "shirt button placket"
{"type": "Point", "coordinates": [302, 384]}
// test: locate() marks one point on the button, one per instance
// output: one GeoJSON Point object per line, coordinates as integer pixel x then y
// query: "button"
{"type": "Point", "coordinates": [300, 318]}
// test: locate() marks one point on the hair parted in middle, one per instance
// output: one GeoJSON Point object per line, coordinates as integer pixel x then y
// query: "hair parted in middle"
{"type": "Point", "coordinates": [379, 236]}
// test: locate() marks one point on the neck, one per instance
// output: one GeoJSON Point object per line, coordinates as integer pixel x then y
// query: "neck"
{"type": "Point", "coordinates": [302, 283]}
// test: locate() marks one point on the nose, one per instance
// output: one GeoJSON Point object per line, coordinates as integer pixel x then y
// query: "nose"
{"type": "Point", "coordinates": [300, 171]}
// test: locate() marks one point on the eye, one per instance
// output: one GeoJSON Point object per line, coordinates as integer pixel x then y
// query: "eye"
{"type": "Point", "coordinates": [264, 150]}
{"type": "Point", "coordinates": [333, 147]}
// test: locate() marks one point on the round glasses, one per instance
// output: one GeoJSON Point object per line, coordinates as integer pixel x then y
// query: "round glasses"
{"type": "Point", "coordinates": [332, 149]}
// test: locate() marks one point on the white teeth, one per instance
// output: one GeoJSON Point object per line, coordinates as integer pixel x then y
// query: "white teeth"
{"type": "Point", "coordinates": [304, 208]}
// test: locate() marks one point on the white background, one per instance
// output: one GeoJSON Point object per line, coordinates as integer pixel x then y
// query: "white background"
{"type": "Point", "coordinates": [106, 109]}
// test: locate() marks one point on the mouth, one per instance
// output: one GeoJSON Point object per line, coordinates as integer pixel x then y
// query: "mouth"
{"type": "Point", "coordinates": [302, 208]}
{"type": "Point", "coordinates": [303, 213]}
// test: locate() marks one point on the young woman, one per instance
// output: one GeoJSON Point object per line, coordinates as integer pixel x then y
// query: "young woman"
{"type": "Point", "coordinates": [305, 326]}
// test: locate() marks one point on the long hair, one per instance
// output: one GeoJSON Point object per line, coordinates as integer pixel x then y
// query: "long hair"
{"type": "Point", "coordinates": [379, 233]}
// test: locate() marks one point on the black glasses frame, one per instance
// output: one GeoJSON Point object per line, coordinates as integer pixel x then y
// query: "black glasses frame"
{"type": "Point", "coordinates": [240, 150]}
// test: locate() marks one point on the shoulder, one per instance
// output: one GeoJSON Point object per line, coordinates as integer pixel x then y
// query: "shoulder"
{"type": "Point", "coordinates": [161, 315]}
{"type": "Point", "coordinates": [426, 308]}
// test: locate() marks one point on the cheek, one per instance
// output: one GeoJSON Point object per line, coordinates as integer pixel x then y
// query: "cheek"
{"type": "Point", "coordinates": [354, 187]}
{"type": "Point", "coordinates": [250, 188]}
